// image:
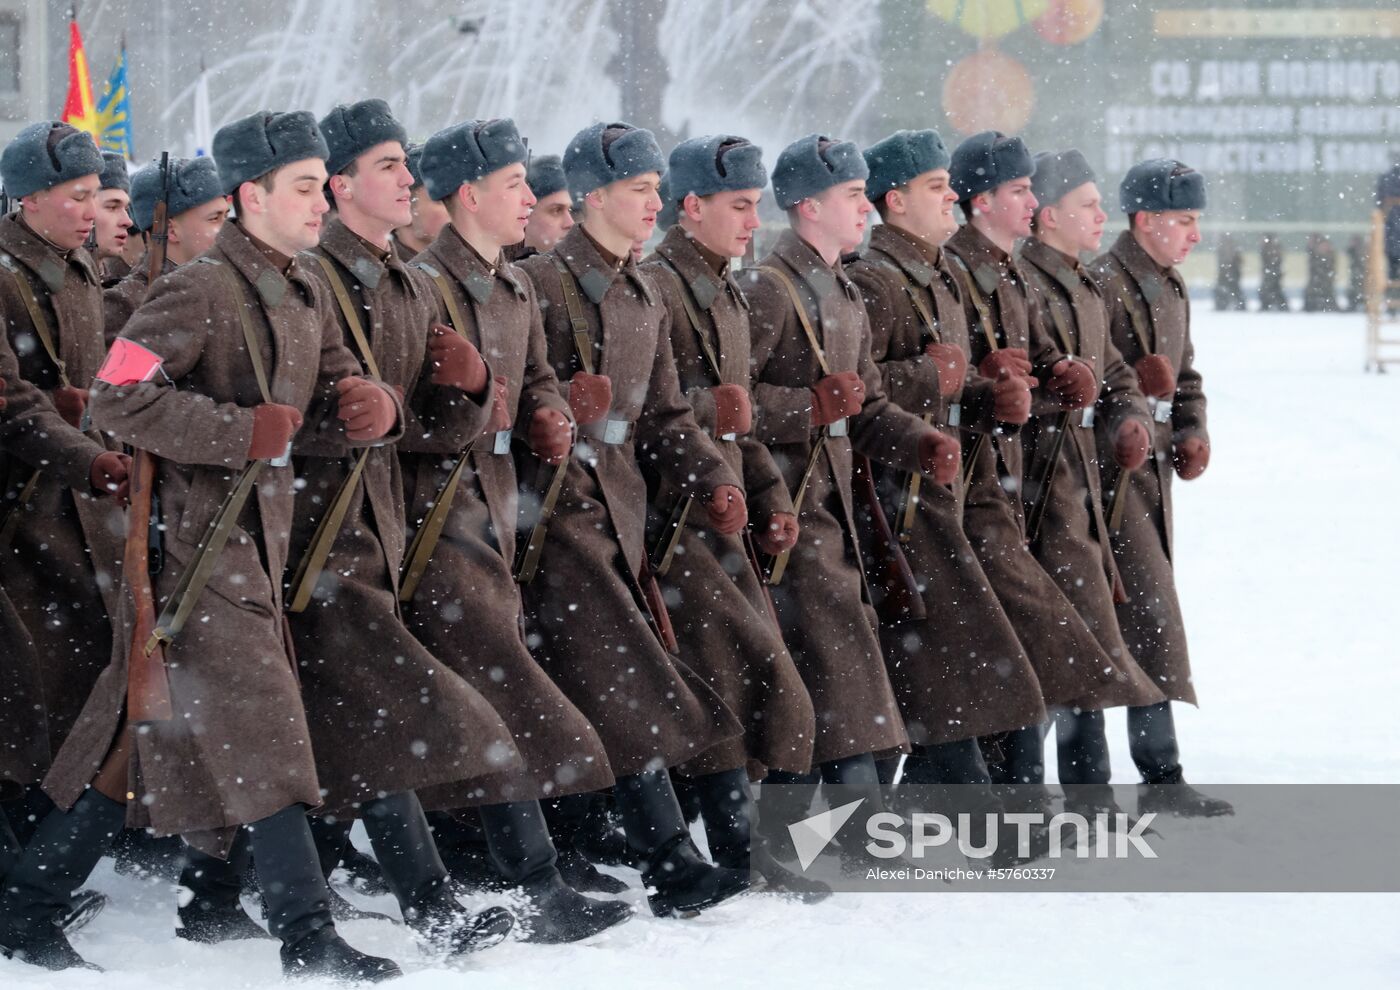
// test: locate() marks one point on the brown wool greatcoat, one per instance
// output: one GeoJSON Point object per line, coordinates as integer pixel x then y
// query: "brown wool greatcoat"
{"type": "Point", "coordinates": [1073, 544]}
{"type": "Point", "coordinates": [823, 602]}
{"type": "Point", "coordinates": [720, 609]}
{"type": "Point", "coordinates": [120, 300]}
{"type": "Point", "coordinates": [467, 608]}
{"type": "Point", "coordinates": [386, 715]}
{"type": "Point", "coordinates": [1151, 620]}
{"type": "Point", "coordinates": [960, 673]}
{"type": "Point", "coordinates": [238, 748]}
{"type": "Point", "coordinates": [587, 630]}
{"type": "Point", "coordinates": [1067, 658]}
{"type": "Point", "coordinates": [63, 562]}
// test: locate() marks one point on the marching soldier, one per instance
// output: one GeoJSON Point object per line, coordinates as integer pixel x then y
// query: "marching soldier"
{"type": "Point", "coordinates": [1149, 314]}
{"type": "Point", "coordinates": [818, 402]}
{"type": "Point", "coordinates": [112, 229]}
{"type": "Point", "coordinates": [195, 213]}
{"type": "Point", "coordinates": [553, 215]}
{"type": "Point", "coordinates": [1062, 490]}
{"type": "Point", "coordinates": [60, 521]}
{"type": "Point", "coordinates": [1015, 369]}
{"type": "Point", "coordinates": [608, 341]}
{"type": "Point", "coordinates": [228, 361]}
{"type": "Point", "coordinates": [457, 595]}
{"type": "Point", "coordinates": [428, 217]}
{"type": "Point", "coordinates": [959, 673]}
{"type": "Point", "coordinates": [723, 617]}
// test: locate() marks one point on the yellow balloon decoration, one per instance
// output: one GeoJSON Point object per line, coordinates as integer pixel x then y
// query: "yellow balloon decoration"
{"type": "Point", "coordinates": [988, 19]}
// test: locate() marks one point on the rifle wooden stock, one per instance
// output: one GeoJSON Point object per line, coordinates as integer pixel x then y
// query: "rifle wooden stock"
{"type": "Point", "coordinates": [160, 225]}
{"type": "Point", "coordinates": [1036, 515]}
{"type": "Point", "coordinates": [147, 684]}
{"type": "Point", "coordinates": [896, 592]}
{"type": "Point", "coordinates": [657, 614]}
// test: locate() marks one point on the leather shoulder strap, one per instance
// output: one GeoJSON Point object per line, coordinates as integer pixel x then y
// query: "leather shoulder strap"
{"type": "Point", "coordinates": [979, 303]}
{"type": "Point", "coordinates": [41, 323]}
{"type": "Point", "coordinates": [583, 340]}
{"type": "Point", "coordinates": [802, 317]}
{"type": "Point", "coordinates": [250, 339]}
{"type": "Point", "coordinates": [347, 310]}
{"type": "Point", "coordinates": [706, 347]}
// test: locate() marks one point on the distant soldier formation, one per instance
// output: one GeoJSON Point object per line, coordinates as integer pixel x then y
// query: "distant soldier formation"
{"type": "Point", "coordinates": [425, 486]}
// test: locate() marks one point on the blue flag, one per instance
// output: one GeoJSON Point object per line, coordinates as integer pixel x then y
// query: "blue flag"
{"type": "Point", "coordinates": [114, 112]}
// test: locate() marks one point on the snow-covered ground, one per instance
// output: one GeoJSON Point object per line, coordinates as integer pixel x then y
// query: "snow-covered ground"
{"type": "Point", "coordinates": [1287, 548]}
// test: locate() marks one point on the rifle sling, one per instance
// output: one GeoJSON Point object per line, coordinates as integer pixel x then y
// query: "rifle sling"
{"type": "Point", "coordinates": [196, 576]}
{"type": "Point", "coordinates": [425, 540]}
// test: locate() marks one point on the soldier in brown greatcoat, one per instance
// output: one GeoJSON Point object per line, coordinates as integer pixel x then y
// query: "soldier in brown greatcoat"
{"type": "Point", "coordinates": [216, 374]}
{"type": "Point", "coordinates": [724, 620]}
{"type": "Point", "coordinates": [608, 340]}
{"type": "Point", "coordinates": [60, 535]}
{"type": "Point", "coordinates": [428, 217]}
{"type": "Point", "coordinates": [553, 215]}
{"type": "Point", "coordinates": [112, 228]}
{"type": "Point", "coordinates": [818, 402]}
{"type": "Point", "coordinates": [196, 212]}
{"type": "Point", "coordinates": [1062, 493]}
{"type": "Point", "coordinates": [1016, 369]}
{"type": "Point", "coordinates": [1149, 316]}
{"type": "Point", "coordinates": [458, 597]}
{"type": "Point", "coordinates": [961, 672]}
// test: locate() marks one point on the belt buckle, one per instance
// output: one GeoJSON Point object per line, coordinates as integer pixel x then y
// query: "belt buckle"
{"type": "Point", "coordinates": [1086, 418]}
{"type": "Point", "coordinates": [501, 445]}
{"type": "Point", "coordinates": [1162, 410]}
{"type": "Point", "coordinates": [284, 459]}
{"type": "Point", "coordinates": [837, 429]}
{"type": "Point", "coordinates": [955, 414]}
{"type": "Point", "coordinates": [615, 432]}
{"type": "Point", "coordinates": [728, 437]}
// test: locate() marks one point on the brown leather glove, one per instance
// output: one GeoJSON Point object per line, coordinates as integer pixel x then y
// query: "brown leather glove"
{"type": "Point", "coordinates": [1130, 445]}
{"type": "Point", "coordinates": [365, 408]}
{"type": "Point", "coordinates": [733, 411]}
{"type": "Point", "coordinates": [951, 364]}
{"type": "Point", "coordinates": [728, 513]}
{"type": "Point", "coordinates": [456, 361]}
{"type": "Point", "coordinates": [71, 403]}
{"type": "Point", "coordinates": [500, 407]}
{"type": "Point", "coordinates": [590, 397]}
{"type": "Point", "coordinates": [938, 457]}
{"type": "Point", "coordinates": [1156, 376]}
{"type": "Point", "coordinates": [1011, 397]}
{"type": "Point", "coordinates": [1073, 383]}
{"type": "Point", "coordinates": [1012, 359]}
{"type": "Point", "coordinates": [780, 534]}
{"type": "Point", "coordinates": [274, 426]}
{"type": "Point", "coordinates": [1191, 458]}
{"type": "Point", "coordinates": [836, 397]}
{"type": "Point", "coordinates": [550, 435]}
{"type": "Point", "coordinates": [110, 474]}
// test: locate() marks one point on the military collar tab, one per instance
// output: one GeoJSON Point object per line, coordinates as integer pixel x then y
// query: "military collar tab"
{"type": "Point", "coordinates": [595, 283]}
{"type": "Point", "coordinates": [367, 271]}
{"type": "Point", "coordinates": [272, 288]}
{"type": "Point", "coordinates": [705, 289]}
{"type": "Point", "coordinates": [987, 277]}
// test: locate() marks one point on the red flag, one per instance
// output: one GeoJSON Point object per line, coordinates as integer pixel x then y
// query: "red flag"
{"type": "Point", "coordinates": [79, 108]}
{"type": "Point", "coordinates": [128, 363]}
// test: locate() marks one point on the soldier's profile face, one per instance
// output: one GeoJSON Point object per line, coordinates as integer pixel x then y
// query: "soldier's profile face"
{"type": "Point", "coordinates": [1079, 218]}
{"type": "Point", "coordinates": [1169, 237]}
{"type": "Point", "coordinates": [113, 219]}
{"type": "Point", "coordinates": [629, 206]}
{"type": "Point", "coordinates": [928, 204]}
{"type": "Point", "coordinates": [725, 221]}
{"type": "Point", "coordinates": [64, 214]}
{"type": "Point", "coordinates": [503, 203]}
{"type": "Point", "coordinates": [195, 229]}
{"type": "Point", "coordinates": [841, 213]}
{"type": "Point", "coordinates": [292, 211]}
{"type": "Point", "coordinates": [550, 220]}
{"type": "Point", "coordinates": [429, 216]}
{"type": "Point", "coordinates": [379, 187]}
{"type": "Point", "coordinates": [1009, 208]}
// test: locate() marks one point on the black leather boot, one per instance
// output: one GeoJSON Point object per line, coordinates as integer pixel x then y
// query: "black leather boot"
{"type": "Point", "coordinates": [683, 882]}
{"type": "Point", "coordinates": [523, 853]}
{"type": "Point", "coordinates": [297, 898]}
{"type": "Point", "coordinates": [403, 842]}
{"type": "Point", "coordinates": [1171, 795]}
{"type": "Point", "coordinates": [61, 853]}
{"type": "Point", "coordinates": [727, 807]}
{"type": "Point", "coordinates": [214, 912]}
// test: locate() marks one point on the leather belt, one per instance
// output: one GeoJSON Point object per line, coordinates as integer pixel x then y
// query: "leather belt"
{"type": "Point", "coordinates": [613, 432]}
